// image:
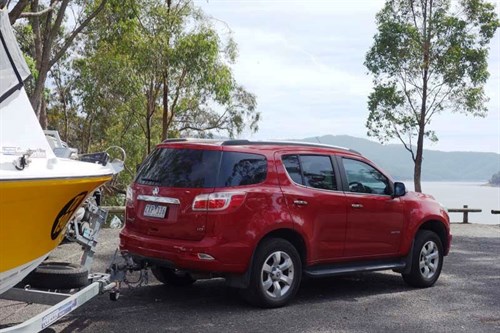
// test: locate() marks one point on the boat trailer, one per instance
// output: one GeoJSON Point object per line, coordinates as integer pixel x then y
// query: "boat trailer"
{"type": "Point", "coordinates": [63, 302]}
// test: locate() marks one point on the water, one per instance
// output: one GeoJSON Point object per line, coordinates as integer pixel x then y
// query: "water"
{"type": "Point", "coordinates": [455, 195]}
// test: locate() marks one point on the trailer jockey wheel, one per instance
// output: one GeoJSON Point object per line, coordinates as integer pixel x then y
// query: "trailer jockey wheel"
{"type": "Point", "coordinates": [113, 296]}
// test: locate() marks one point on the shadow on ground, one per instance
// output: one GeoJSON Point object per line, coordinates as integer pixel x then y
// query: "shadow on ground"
{"type": "Point", "coordinates": [465, 299]}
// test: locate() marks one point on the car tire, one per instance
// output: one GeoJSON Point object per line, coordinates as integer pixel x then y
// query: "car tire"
{"type": "Point", "coordinates": [173, 277]}
{"type": "Point", "coordinates": [58, 275]}
{"type": "Point", "coordinates": [426, 260]}
{"type": "Point", "coordinates": [275, 274]}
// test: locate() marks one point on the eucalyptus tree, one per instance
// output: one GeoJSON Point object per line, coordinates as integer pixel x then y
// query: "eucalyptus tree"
{"type": "Point", "coordinates": [54, 26]}
{"type": "Point", "coordinates": [148, 70]}
{"type": "Point", "coordinates": [428, 57]}
{"type": "Point", "coordinates": [169, 62]}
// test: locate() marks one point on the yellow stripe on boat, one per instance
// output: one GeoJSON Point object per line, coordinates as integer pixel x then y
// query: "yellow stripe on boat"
{"type": "Point", "coordinates": [34, 215]}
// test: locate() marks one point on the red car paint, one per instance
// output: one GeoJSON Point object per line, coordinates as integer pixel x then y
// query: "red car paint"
{"type": "Point", "coordinates": [333, 225]}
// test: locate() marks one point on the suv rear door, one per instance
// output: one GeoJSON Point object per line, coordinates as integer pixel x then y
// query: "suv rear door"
{"type": "Point", "coordinates": [165, 188]}
{"type": "Point", "coordinates": [310, 186]}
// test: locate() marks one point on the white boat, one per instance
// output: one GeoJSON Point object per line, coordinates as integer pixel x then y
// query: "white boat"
{"type": "Point", "coordinates": [39, 192]}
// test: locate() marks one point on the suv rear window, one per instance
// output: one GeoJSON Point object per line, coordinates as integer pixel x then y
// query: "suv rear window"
{"type": "Point", "coordinates": [314, 171]}
{"type": "Point", "coordinates": [239, 169]}
{"type": "Point", "coordinates": [195, 168]}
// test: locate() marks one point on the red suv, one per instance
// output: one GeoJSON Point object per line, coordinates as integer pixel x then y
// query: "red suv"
{"type": "Point", "coordinates": [264, 214]}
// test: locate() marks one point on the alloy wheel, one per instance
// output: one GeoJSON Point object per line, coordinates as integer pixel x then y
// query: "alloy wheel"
{"type": "Point", "coordinates": [277, 274]}
{"type": "Point", "coordinates": [429, 259]}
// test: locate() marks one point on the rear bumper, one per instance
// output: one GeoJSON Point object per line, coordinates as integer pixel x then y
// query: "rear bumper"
{"type": "Point", "coordinates": [228, 257]}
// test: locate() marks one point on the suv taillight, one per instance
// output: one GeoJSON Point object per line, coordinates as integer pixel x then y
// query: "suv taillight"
{"type": "Point", "coordinates": [218, 201]}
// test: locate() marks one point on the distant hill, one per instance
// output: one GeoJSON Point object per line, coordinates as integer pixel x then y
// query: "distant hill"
{"type": "Point", "coordinates": [437, 165]}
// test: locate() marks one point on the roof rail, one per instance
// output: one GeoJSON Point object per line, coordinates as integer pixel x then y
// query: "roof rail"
{"type": "Point", "coordinates": [174, 140]}
{"type": "Point", "coordinates": [285, 143]}
{"type": "Point", "coordinates": [238, 142]}
{"type": "Point", "coordinates": [192, 140]}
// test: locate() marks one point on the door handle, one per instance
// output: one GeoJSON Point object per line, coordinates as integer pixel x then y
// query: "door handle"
{"type": "Point", "coordinates": [300, 202]}
{"type": "Point", "coordinates": [357, 206]}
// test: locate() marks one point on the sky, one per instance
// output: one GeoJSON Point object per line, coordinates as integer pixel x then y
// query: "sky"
{"type": "Point", "coordinates": [304, 61]}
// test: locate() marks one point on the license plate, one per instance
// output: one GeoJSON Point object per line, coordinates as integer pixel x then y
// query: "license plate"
{"type": "Point", "coordinates": [155, 211]}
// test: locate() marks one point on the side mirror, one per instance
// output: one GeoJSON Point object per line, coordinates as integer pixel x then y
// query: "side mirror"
{"type": "Point", "coordinates": [399, 189]}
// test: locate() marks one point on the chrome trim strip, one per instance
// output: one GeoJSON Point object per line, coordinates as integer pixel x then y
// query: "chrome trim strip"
{"type": "Point", "coordinates": [152, 198]}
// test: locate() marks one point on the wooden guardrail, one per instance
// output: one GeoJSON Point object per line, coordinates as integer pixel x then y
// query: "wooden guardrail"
{"type": "Point", "coordinates": [466, 210]}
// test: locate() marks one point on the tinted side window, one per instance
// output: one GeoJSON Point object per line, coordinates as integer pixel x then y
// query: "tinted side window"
{"type": "Point", "coordinates": [292, 166]}
{"type": "Point", "coordinates": [184, 168]}
{"type": "Point", "coordinates": [363, 178]}
{"type": "Point", "coordinates": [318, 172]}
{"type": "Point", "coordinates": [238, 169]}
{"type": "Point", "coordinates": [311, 170]}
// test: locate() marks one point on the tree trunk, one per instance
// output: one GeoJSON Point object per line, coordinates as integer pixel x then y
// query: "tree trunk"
{"type": "Point", "coordinates": [149, 116]}
{"type": "Point", "coordinates": [43, 45]}
{"type": "Point", "coordinates": [148, 134]}
{"type": "Point", "coordinates": [66, 117]}
{"type": "Point", "coordinates": [43, 114]}
{"type": "Point", "coordinates": [36, 97]}
{"type": "Point", "coordinates": [419, 157]}
{"type": "Point", "coordinates": [87, 141]}
{"type": "Point", "coordinates": [165, 118]}
{"type": "Point", "coordinates": [44, 42]}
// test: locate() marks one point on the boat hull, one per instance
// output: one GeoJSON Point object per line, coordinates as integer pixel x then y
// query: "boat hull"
{"type": "Point", "coordinates": [34, 214]}
{"type": "Point", "coordinates": [10, 278]}
{"type": "Point", "coordinates": [39, 192]}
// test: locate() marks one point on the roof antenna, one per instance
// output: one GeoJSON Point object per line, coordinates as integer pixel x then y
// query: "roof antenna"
{"type": "Point", "coordinates": [317, 138]}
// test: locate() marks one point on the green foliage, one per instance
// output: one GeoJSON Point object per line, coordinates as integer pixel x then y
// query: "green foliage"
{"type": "Point", "coordinates": [24, 35]}
{"type": "Point", "coordinates": [144, 71]}
{"type": "Point", "coordinates": [428, 57]}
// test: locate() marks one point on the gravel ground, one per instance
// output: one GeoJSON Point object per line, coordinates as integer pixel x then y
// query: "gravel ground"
{"type": "Point", "coordinates": [465, 299]}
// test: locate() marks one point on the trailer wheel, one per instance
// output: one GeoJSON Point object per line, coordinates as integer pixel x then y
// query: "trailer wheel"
{"type": "Point", "coordinates": [58, 275]}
